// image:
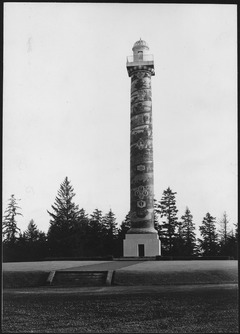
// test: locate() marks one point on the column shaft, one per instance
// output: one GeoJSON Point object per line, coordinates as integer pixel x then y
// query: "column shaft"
{"type": "Point", "coordinates": [142, 194]}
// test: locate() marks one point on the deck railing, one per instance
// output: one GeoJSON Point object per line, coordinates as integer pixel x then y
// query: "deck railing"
{"type": "Point", "coordinates": [139, 58]}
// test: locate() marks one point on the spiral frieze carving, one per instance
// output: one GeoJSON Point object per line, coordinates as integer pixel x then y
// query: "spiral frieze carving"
{"type": "Point", "coordinates": [142, 196]}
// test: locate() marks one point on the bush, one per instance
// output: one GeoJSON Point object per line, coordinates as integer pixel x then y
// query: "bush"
{"type": "Point", "coordinates": [183, 258]}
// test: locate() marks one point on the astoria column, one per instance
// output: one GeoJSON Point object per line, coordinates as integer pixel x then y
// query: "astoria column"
{"type": "Point", "coordinates": [142, 238]}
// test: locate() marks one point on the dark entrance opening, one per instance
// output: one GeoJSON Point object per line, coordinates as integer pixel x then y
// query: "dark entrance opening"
{"type": "Point", "coordinates": [141, 250]}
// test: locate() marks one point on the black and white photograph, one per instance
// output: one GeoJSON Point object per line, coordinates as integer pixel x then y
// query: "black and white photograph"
{"type": "Point", "coordinates": [119, 168]}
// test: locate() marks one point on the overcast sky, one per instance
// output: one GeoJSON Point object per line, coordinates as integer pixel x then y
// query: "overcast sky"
{"type": "Point", "coordinates": [66, 105]}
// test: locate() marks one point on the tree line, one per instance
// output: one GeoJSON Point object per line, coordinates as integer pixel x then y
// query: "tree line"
{"type": "Point", "coordinates": [75, 233]}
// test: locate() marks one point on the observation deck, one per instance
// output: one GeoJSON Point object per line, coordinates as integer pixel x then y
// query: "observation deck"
{"type": "Point", "coordinates": [140, 61]}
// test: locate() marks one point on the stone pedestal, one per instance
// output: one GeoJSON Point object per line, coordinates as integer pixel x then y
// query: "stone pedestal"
{"type": "Point", "coordinates": [141, 245]}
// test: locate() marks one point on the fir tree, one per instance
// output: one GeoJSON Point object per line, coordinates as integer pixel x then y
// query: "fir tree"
{"type": "Point", "coordinates": [33, 243]}
{"type": "Point", "coordinates": [32, 233]}
{"type": "Point", "coordinates": [124, 227]}
{"type": "Point", "coordinates": [223, 230]}
{"type": "Point", "coordinates": [209, 241]}
{"type": "Point", "coordinates": [96, 224]}
{"type": "Point", "coordinates": [109, 223]}
{"type": "Point", "coordinates": [110, 233]}
{"type": "Point", "coordinates": [157, 212]}
{"type": "Point", "coordinates": [167, 210]}
{"type": "Point", "coordinates": [178, 241]}
{"type": "Point", "coordinates": [188, 233]}
{"type": "Point", "coordinates": [95, 240]}
{"type": "Point", "coordinates": [9, 226]}
{"type": "Point", "coordinates": [63, 220]}
{"type": "Point", "coordinates": [236, 230]}
{"type": "Point", "coordinates": [83, 222]}
{"type": "Point", "coordinates": [227, 239]}
{"type": "Point", "coordinates": [122, 230]}
{"type": "Point", "coordinates": [80, 234]}
{"type": "Point", "coordinates": [235, 247]}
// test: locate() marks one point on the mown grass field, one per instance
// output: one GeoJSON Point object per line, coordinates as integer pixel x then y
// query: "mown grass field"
{"type": "Point", "coordinates": [25, 274]}
{"type": "Point", "coordinates": [187, 311]}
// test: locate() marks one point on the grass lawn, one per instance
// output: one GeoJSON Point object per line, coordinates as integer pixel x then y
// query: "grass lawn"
{"type": "Point", "coordinates": [194, 311]}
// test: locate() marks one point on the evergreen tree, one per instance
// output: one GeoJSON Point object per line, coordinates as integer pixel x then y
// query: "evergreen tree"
{"type": "Point", "coordinates": [110, 233]}
{"type": "Point", "coordinates": [224, 229]}
{"type": "Point", "coordinates": [178, 241]}
{"type": "Point", "coordinates": [188, 233]}
{"type": "Point", "coordinates": [124, 227]}
{"type": "Point", "coordinates": [32, 233]}
{"type": "Point", "coordinates": [235, 247]}
{"type": "Point", "coordinates": [80, 234]}
{"type": "Point", "coordinates": [9, 225]}
{"type": "Point", "coordinates": [227, 239]}
{"type": "Point", "coordinates": [10, 232]}
{"type": "Point", "coordinates": [32, 243]}
{"type": "Point", "coordinates": [95, 237]}
{"type": "Point", "coordinates": [156, 212]}
{"type": "Point", "coordinates": [230, 248]}
{"type": "Point", "coordinates": [109, 223]}
{"type": "Point", "coordinates": [236, 231]}
{"type": "Point", "coordinates": [209, 241]}
{"type": "Point", "coordinates": [96, 223]}
{"type": "Point", "coordinates": [63, 220]}
{"type": "Point", "coordinates": [224, 234]}
{"type": "Point", "coordinates": [167, 210]}
{"type": "Point", "coordinates": [122, 230]}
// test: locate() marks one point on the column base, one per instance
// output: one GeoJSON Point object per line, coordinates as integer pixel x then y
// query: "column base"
{"type": "Point", "coordinates": [141, 245]}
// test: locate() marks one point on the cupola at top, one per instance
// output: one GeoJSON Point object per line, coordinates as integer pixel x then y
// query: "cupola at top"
{"type": "Point", "coordinates": [140, 59]}
{"type": "Point", "coordinates": [140, 46]}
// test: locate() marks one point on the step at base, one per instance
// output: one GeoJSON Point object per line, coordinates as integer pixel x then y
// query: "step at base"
{"type": "Point", "coordinates": [79, 278]}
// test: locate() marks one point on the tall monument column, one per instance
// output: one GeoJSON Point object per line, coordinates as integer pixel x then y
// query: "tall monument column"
{"type": "Point", "coordinates": [142, 238]}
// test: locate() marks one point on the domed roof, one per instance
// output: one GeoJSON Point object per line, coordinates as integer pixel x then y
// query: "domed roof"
{"type": "Point", "coordinates": [140, 43]}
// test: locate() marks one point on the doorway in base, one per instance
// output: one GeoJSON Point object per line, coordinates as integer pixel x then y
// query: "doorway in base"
{"type": "Point", "coordinates": [141, 252]}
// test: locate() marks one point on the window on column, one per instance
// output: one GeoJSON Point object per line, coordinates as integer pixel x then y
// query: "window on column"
{"type": "Point", "coordinates": [140, 55]}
